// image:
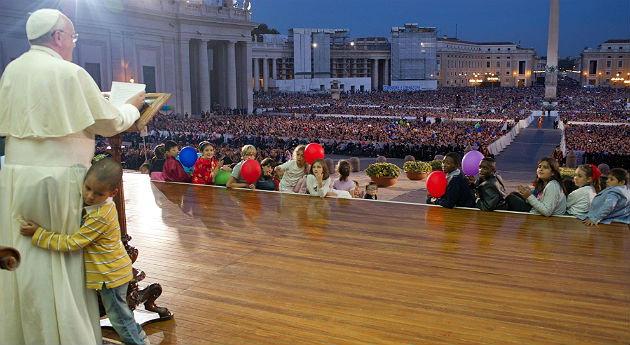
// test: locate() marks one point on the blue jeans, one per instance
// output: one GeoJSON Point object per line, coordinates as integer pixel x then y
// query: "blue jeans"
{"type": "Point", "coordinates": [121, 317]}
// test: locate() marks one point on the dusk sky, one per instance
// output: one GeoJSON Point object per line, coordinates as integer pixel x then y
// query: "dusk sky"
{"type": "Point", "coordinates": [582, 22]}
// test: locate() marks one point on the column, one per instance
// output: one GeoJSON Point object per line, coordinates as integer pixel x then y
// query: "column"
{"type": "Point", "coordinates": [231, 75]}
{"type": "Point", "coordinates": [551, 76]}
{"type": "Point", "coordinates": [184, 78]}
{"type": "Point", "coordinates": [248, 86]}
{"type": "Point", "coordinates": [386, 72]}
{"type": "Point", "coordinates": [256, 75]}
{"type": "Point", "coordinates": [274, 69]}
{"type": "Point", "coordinates": [374, 74]}
{"type": "Point", "coordinates": [204, 77]}
{"type": "Point", "coordinates": [265, 74]}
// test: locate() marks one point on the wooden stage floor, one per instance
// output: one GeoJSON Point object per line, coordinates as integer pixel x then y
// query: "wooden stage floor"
{"type": "Point", "coordinates": [251, 267]}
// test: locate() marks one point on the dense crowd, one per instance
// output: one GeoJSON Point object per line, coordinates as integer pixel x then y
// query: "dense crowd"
{"type": "Point", "coordinates": [574, 103]}
{"type": "Point", "coordinates": [338, 135]}
{"type": "Point", "coordinates": [396, 124]}
{"type": "Point", "coordinates": [594, 105]}
{"type": "Point", "coordinates": [488, 103]}
{"type": "Point", "coordinates": [600, 143]}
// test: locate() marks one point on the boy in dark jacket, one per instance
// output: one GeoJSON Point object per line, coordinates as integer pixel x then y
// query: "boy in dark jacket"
{"type": "Point", "coordinates": [457, 191]}
{"type": "Point", "coordinates": [489, 187]}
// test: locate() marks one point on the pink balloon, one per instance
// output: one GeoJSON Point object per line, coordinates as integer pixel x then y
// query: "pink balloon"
{"type": "Point", "coordinates": [312, 152]}
{"type": "Point", "coordinates": [436, 184]}
{"type": "Point", "coordinates": [250, 171]}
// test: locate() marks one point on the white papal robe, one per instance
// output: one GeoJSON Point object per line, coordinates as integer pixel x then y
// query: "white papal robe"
{"type": "Point", "coordinates": [50, 110]}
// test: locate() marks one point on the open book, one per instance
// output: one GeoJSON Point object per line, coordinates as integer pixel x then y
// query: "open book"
{"type": "Point", "coordinates": [153, 102]}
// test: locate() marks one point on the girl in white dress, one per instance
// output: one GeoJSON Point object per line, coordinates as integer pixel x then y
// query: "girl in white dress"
{"type": "Point", "coordinates": [318, 182]}
{"type": "Point", "coordinates": [587, 181]}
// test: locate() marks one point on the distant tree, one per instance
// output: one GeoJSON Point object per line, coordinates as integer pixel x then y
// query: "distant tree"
{"type": "Point", "coordinates": [263, 29]}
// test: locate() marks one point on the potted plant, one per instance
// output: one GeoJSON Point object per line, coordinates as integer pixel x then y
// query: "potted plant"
{"type": "Point", "coordinates": [384, 174]}
{"type": "Point", "coordinates": [416, 170]}
{"type": "Point", "coordinates": [567, 173]}
{"type": "Point", "coordinates": [436, 165]}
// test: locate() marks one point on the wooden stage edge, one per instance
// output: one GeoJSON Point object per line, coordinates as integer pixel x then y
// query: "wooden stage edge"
{"type": "Point", "coordinates": [252, 267]}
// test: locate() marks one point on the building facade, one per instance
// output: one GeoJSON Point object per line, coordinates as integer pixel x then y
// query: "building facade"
{"type": "Point", "coordinates": [463, 63]}
{"type": "Point", "coordinates": [413, 56]}
{"type": "Point", "coordinates": [607, 65]}
{"type": "Point", "coordinates": [311, 59]}
{"type": "Point", "coordinates": [200, 53]}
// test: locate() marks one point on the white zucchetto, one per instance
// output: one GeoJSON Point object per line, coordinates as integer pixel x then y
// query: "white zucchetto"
{"type": "Point", "coordinates": [41, 22]}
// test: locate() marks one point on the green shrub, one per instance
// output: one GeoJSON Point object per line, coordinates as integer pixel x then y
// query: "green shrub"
{"type": "Point", "coordinates": [417, 167]}
{"type": "Point", "coordinates": [383, 169]}
{"type": "Point", "coordinates": [436, 165]}
{"type": "Point", "coordinates": [567, 173]}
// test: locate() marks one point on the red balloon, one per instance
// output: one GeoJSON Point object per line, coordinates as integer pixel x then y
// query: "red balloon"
{"type": "Point", "coordinates": [312, 152]}
{"type": "Point", "coordinates": [436, 184]}
{"type": "Point", "coordinates": [250, 171]}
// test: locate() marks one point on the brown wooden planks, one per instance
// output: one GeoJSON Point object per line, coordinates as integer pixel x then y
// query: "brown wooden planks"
{"type": "Point", "coordinates": [250, 267]}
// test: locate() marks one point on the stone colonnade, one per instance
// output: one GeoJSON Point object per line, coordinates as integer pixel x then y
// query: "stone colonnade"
{"type": "Point", "coordinates": [214, 74]}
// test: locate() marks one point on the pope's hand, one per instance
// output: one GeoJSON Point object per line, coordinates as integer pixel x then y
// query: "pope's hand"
{"type": "Point", "coordinates": [137, 100]}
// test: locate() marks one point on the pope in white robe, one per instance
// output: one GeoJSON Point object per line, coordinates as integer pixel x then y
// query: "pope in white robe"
{"type": "Point", "coordinates": [50, 111]}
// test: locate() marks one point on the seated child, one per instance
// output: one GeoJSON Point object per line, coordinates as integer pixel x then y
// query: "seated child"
{"type": "Point", "coordinates": [489, 187]}
{"type": "Point", "coordinates": [343, 182]}
{"type": "Point", "coordinates": [157, 162]}
{"type": "Point", "coordinates": [292, 171]}
{"type": "Point", "coordinates": [611, 204]}
{"type": "Point", "coordinates": [107, 265]}
{"type": "Point", "coordinates": [206, 167]}
{"type": "Point", "coordinates": [587, 181]}
{"type": "Point", "coordinates": [236, 180]}
{"type": "Point", "coordinates": [173, 170]}
{"type": "Point", "coordinates": [267, 181]}
{"type": "Point", "coordinates": [318, 181]}
{"type": "Point", "coordinates": [357, 192]}
{"type": "Point", "coordinates": [547, 198]}
{"type": "Point", "coordinates": [370, 191]}
{"type": "Point", "coordinates": [145, 168]}
{"type": "Point", "coordinates": [457, 191]}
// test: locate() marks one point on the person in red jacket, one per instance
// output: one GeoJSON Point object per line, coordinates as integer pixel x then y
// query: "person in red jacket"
{"type": "Point", "coordinates": [206, 167]}
{"type": "Point", "coordinates": [173, 170]}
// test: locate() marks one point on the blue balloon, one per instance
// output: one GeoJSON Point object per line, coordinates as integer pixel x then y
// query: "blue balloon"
{"type": "Point", "coordinates": [188, 156]}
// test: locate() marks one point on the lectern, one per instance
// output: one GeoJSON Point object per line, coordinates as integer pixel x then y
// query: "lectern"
{"type": "Point", "coordinates": [135, 295]}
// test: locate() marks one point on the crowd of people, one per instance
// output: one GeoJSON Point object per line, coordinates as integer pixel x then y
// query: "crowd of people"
{"type": "Point", "coordinates": [396, 124]}
{"type": "Point", "coordinates": [274, 135]}
{"type": "Point", "coordinates": [594, 105]}
{"type": "Point", "coordinates": [600, 143]}
{"type": "Point", "coordinates": [551, 195]}
{"type": "Point", "coordinates": [489, 103]}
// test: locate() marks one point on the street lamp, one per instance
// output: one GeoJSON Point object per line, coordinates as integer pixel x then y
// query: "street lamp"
{"type": "Point", "coordinates": [475, 81]}
{"type": "Point", "coordinates": [615, 80]}
{"type": "Point", "coordinates": [492, 79]}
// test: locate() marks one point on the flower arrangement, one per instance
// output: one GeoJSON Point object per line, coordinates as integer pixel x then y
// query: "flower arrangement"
{"type": "Point", "coordinates": [383, 170]}
{"type": "Point", "coordinates": [417, 167]}
{"type": "Point", "coordinates": [567, 173]}
{"type": "Point", "coordinates": [436, 165]}
{"type": "Point", "coordinates": [98, 157]}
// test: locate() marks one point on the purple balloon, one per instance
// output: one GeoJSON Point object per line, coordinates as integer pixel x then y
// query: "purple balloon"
{"type": "Point", "coordinates": [470, 163]}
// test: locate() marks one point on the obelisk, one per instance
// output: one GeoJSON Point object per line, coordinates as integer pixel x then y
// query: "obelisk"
{"type": "Point", "coordinates": [551, 75]}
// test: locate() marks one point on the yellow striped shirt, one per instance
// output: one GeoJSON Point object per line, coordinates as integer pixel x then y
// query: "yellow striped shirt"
{"type": "Point", "coordinates": [106, 260]}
